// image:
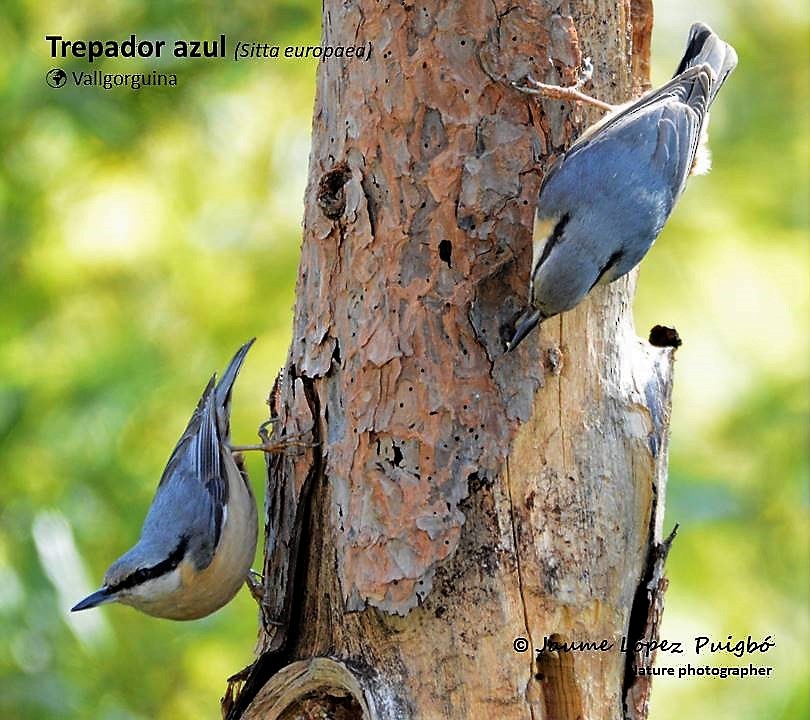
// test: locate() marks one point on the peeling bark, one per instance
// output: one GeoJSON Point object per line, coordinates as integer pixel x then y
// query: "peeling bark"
{"type": "Point", "coordinates": [460, 497]}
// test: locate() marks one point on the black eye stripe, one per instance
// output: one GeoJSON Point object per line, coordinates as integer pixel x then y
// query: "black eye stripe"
{"type": "Point", "coordinates": [164, 566]}
{"type": "Point", "coordinates": [553, 239]}
{"type": "Point", "coordinates": [612, 260]}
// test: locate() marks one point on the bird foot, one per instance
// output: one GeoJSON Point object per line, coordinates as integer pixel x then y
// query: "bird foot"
{"type": "Point", "coordinates": [263, 434]}
{"type": "Point", "coordinates": [572, 93]}
{"type": "Point", "coordinates": [279, 446]}
{"type": "Point", "coordinates": [255, 584]}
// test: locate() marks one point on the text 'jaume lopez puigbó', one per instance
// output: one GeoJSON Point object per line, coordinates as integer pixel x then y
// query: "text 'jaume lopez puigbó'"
{"type": "Point", "coordinates": [699, 644]}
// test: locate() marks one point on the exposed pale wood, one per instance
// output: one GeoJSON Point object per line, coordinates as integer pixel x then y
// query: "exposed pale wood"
{"type": "Point", "coordinates": [460, 497]}
{"type": "Point", "coordinates": [319, 679]}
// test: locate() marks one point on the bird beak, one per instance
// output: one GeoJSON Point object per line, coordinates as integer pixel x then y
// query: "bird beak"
{"type": "Point", "coordinates": [525, 325]}
{"type": "Point", "coordinates": [99, 597]}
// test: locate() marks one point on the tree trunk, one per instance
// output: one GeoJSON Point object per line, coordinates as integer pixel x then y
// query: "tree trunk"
{"type": "Point", "coordinates": [462, 502]}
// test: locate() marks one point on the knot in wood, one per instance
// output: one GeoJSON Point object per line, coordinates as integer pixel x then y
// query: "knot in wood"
{"type": "Point", "coordinates": [331, 197]}
{"type": "Point", "coordinates": [662, 336]}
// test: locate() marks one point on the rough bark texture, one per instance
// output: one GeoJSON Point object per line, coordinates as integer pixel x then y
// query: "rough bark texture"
{"type": "Point", "coordinates": [460, 498]}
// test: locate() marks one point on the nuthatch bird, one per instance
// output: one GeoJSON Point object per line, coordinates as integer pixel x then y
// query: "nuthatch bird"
{"type": "Point", "coordinates": [199, 537]}
{"type": "Point", "coordinates": [606, 199]}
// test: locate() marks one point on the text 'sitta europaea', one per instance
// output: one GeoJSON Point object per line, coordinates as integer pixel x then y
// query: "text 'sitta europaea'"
{"type": "Point", "coordinates": [604, 202]}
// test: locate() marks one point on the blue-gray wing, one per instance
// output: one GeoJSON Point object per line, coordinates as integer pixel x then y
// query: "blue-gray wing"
{"type": "Point", "coordinates": [674, 113]}
{"type": "Point", "coordinates": [614, 190]}
{"type": "Point", "coordinates": [193, 491]}
{"type": "Point", "coordinates": [207, 448]}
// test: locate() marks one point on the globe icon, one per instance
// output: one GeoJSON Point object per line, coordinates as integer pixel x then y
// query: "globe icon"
{"type": "Point", "coordinates": [56, 78]}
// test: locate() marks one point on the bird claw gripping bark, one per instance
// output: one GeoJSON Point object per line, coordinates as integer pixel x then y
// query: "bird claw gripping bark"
{"type": "Point", "coordinates": [268, 445]}
{"type": "Point", "coordinates": [255, 584]}
{"type": "Point", "coordinates": [572, 93]}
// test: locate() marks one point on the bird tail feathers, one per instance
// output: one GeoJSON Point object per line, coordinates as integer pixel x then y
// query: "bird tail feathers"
{"type": "Point", "coordinates": [704, 47]}
{"type": "Point", "coordinates": [225, 385]}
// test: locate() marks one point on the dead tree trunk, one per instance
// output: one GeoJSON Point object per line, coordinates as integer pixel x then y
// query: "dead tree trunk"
{"type": "Point", "coordinates": [461, 499]}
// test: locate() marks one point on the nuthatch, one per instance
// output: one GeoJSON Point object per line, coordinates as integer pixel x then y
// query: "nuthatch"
{"type": "Point", "coordinates": [199, 537]}
{"type": "Point", "coordinates": [604, 202]}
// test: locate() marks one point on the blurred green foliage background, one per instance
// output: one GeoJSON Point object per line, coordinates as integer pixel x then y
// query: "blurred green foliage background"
{"type": "Point", "coordinates": [145, 235]}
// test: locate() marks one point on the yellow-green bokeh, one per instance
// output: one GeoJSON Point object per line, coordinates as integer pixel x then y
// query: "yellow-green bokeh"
{"type": "Point", "coordinates": [144, 236]}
